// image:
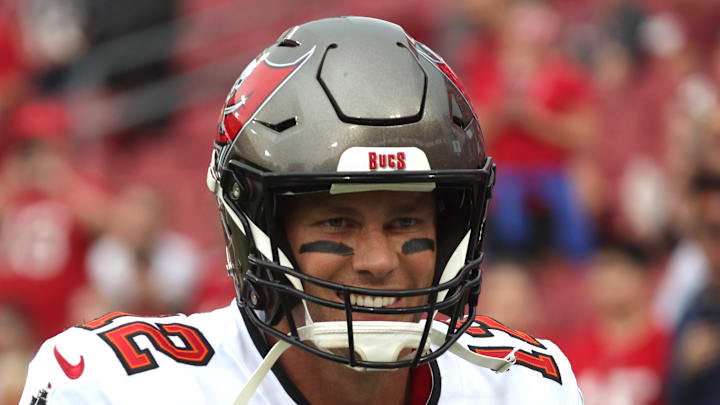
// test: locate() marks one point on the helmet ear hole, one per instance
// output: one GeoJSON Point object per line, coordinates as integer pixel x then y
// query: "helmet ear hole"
{"type": "Point", "coordinates": [263, 299]}
{"type": "Point", "coordinates": [255, 297]}
{"type": "Point", "coordinates": [239, 188]}
{"type": "Point", "coordinates": [235, 192]}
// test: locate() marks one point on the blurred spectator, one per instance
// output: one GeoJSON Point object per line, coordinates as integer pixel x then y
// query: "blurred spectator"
{"type": "Point", "coordinates": [139, 265]}
{"type": "Point", "coordinates": [537, 117]}
{"type": "Point", "coordinates": [694, 124]}
{"type": "Point", "coordinates": [686, 96]}
{"type": "Point", "coordinates": [649, 114]}
{"type": "Point", "coordinates": [619, 357]}
{"type": "Point", "coordinates": [47, 213]}
{"type": "Point", "coordinates": [696, 358]}
{"type": "Point", "coordinates": [698, 18]}
{"type": "Point", "coordinates": [695, 147]}
{"type": "Point", "coordinates": [689, 268]}
{"type": "Point", "coordinates": [559, 284]}
{"type": "Point", "coordinates": [510, 295]}
{"type": "Point", "coordinates": [685, 274]}
{"type": "Point", "coordinates": [466, 26]}
{"type": "Point", "coordinates": [630, 196]}
{"type": "Point", "coordinates": [621, 23]}
{"type": "Point", "coordinates": [53, 36]}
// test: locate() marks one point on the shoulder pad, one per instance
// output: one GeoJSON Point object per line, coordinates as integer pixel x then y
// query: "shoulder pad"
{"type": "Point", "coordinates": [85, 363]}
{"type": "Point", "coordinates": [488, 337]}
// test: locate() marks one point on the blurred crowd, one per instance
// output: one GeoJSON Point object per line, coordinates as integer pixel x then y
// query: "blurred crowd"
{"type": "Point", "coordinates": [603, 118]}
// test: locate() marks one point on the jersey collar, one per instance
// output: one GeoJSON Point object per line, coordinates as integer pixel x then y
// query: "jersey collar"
{"type": "Point", "coordinates": [425, 378]}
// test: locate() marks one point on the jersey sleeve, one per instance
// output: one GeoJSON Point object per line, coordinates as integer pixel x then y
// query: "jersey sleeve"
{"type": "Point", "coordinates": [571, 394]}
{"type": "Point", "coordinates": [540, 374]}
{"type": "Point", "coordinates": [64, 371]}
{"type": "Point", "coordinates": [124, 359]}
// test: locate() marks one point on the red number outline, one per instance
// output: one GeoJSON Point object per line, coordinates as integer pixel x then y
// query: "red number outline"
{"type": "Point", "coordinates": [485, 324]}
{"type": "Point", "coordinates": [196, 351]}
{"type": "Point", "coordinates": [541, 362]}
{"type": "Point", "coordinates": [103, 320]}
{"type": "Point", "coordinates": [544, 363]}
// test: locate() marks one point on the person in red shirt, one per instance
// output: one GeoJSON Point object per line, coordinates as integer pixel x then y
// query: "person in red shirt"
{"type": "Point", "coordinates": [620, 356]}
{"type": "Point", "coordinates": [537, 116]}
{"type": "Point", "coordinates": [46, 214]}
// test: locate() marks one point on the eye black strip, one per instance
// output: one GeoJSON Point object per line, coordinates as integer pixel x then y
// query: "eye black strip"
{"type": "Point", "coordinates": [326, 246]}
{"type": "Point", "coordinates": [418, 245]}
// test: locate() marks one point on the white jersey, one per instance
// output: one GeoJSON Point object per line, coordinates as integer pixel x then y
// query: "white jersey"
{"type": "Point", "coordinates": [207, 358]}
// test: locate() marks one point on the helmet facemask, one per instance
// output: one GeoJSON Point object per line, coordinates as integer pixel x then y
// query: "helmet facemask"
{"type": "Point", "coordinates": [271, 287]}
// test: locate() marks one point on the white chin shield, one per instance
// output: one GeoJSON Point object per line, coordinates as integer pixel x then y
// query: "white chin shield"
{"type": "Point", "coordinates": [373, 341]}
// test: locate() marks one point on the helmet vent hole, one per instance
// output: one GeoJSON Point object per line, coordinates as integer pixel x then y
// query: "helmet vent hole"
{"type": "Point", "coordinates": [457, 115]}
{"type": "Point", "coordinates": [290, 43]}
{"type": "Point", "coordinates": [459, 121]}
{"type": "Point", "coordinates": [280, 126]}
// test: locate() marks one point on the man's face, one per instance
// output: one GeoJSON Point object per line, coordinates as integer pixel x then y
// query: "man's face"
{"type": "Point", "coordinates": [377, 240]}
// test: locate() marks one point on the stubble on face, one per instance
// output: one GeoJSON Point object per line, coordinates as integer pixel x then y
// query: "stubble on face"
{"type": "Point", "coordinates": [329, 237]}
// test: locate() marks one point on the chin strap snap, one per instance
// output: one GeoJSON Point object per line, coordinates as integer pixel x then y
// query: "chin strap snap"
{"type": "Point", "coordinates": [497, 364]}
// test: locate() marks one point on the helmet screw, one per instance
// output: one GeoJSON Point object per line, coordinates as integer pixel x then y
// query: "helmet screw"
{"type": "Point", "coordinates": [235, 193]}
{"type": "Point", "coordinates": [253, 298]}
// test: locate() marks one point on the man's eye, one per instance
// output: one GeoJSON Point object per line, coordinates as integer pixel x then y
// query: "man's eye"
{"type": "Point", "coordinates": [336, 222]}
{"type": "Point", "coordinates": [405, 222]}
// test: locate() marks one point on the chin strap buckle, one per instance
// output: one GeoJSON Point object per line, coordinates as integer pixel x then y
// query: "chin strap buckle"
{"type": "Point", "coordinates": [496, 364]}
{"type": "Point", "coordinates": [510, 359]}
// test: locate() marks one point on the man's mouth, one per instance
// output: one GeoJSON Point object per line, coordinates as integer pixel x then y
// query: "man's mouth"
{"type": "Point", "coordinates": [370, 301]}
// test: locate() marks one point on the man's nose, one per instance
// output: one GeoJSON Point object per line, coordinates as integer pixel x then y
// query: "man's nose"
{"type": "Point", "coordinates": [375, 253]}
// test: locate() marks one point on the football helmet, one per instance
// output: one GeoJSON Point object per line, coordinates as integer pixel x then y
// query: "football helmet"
{"type": "Point", "coordinates": [345, 105]}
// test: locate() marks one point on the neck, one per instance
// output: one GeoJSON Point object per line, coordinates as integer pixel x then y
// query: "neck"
{"type": "Point", "coordinates": [326, 382]}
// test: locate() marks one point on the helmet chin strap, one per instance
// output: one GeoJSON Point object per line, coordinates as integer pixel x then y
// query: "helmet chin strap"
{"type": "Point", "coordinates": [372, 343]}
{"type": "Point", "coordinates": [268, 362]}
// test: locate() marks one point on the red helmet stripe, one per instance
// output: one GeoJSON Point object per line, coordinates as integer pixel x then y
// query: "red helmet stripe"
{"type": "Point", "coordinates": [250, 93]}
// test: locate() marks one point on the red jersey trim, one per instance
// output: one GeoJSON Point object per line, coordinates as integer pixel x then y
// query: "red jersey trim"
{"type": "Point", "coordinates": [425, 384]}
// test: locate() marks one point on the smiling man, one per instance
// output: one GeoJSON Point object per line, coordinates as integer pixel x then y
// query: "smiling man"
{"type": "Point", "coordinates": [353, 184]}
{"type": "Point", "coordinates": [394, 234]}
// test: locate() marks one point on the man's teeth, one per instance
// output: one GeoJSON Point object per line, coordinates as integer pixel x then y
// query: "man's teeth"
{"type": "Point", "coordinates": [373, 302]}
